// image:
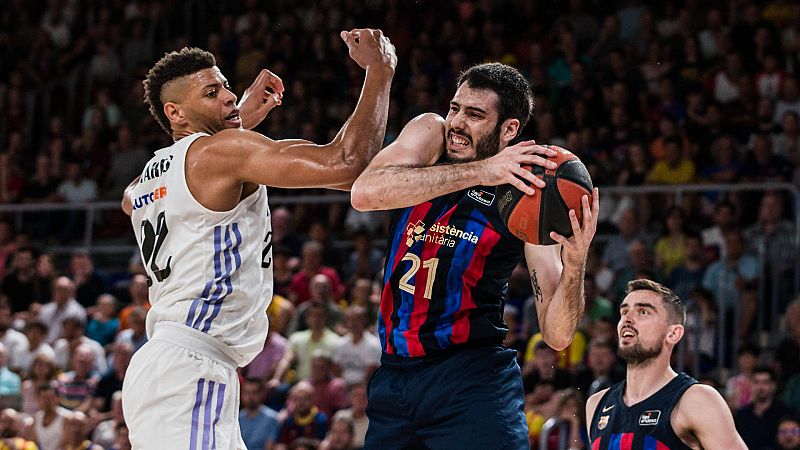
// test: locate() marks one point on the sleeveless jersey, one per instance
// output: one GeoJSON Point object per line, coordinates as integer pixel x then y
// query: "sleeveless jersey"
{"type": "Point", "coordinates": [208, 270]}
{"type": "Point", "coordinates": [446, 272]}
{"type": "Point", "coordinates": [645, 425]}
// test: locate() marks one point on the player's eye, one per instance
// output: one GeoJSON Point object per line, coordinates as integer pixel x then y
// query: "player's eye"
{"type": "Point", "coordinates": [212, 93]}
{"type": "Point", "coordinates": [453, 108]}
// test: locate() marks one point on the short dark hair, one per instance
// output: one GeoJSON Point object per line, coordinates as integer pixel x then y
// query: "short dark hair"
{"type": "Point", "coordinates": [171, 66]}
{"type": "Point", "coordinates": [767, 370]}
{"type": "Point", "coordinates": [676, 310]}
{"type": "Point", "coordinates": [724, 204]}
{"type": "Point", "coordinates": [789, 418]}
{"type": "Point", "coordinates": [672, 140]}
{"type": "Point", "coordinates": [74, 319]}
{"type": "Point", "coordinates": [603, 343]}
{"type": "Point", "coordinates": [36, 324]}
{"type": "Point", "coordinates": [514, 93]}
{"type": "Point", "coordinates": [748, 349]}
{"type": "Point", "coordinates": [255, 381]}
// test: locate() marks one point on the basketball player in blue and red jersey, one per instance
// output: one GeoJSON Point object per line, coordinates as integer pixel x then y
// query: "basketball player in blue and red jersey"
{"type": "Point", "coordinates": [655, 408]}
{"type": "Point", "coordinates": [201, 217]}
{"type": "Point", "coordinates": [445, 379]}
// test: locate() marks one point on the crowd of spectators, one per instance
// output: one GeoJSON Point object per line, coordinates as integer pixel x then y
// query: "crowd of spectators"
{"type": "Point", "coordinates": [645, 93]}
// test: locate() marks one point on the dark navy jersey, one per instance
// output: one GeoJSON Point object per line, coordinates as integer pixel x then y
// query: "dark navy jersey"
{"type": "Point", "coordinates": [447, 267]}
{"type": "Point", "coordinates": [645, 425]}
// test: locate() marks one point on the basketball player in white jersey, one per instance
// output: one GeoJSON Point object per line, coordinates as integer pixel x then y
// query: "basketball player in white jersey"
{"type": "Point", "coordinates": [200, 215]}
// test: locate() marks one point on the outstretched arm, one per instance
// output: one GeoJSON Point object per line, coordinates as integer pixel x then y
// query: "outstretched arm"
{"type": "Point", "coordinates": [556, 273]}
{"type": "Point", "coordinates": [403, 173]}
{"type": "Point", "coordinates": [714, 428]}
{"type": "Point", "coordinates": [296, 163]}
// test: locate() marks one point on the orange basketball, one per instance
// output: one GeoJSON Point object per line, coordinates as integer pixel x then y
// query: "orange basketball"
{"type": "Point", "coordinates": [532, 217]}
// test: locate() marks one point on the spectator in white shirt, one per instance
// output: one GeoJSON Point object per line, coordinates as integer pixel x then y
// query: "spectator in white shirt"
{"type": "Point", "coordinates": [36, 332]}
{"type": "Point", "coordinates": [73, 337]}
{"type": "Point", "coordinates": [63, 305]}
{"type": "Point", "coordinates": [358, 352]}
{"type": "Point", "coordinates": [15, 342]}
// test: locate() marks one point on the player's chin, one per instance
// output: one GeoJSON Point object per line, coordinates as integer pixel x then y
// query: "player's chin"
{"type": "Point", "coordinates": [461, 155]}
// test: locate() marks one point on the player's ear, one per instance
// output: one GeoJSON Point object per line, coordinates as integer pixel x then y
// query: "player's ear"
{"type": "Point", "coordinates": [509, 130]}
{"type": "Point", "coordinates": [675, 334]}
{"type": "Point", "coordinates": [174, 113]}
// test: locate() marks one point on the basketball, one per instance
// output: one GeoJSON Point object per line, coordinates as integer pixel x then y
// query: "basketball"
{"type": "Point", "coordinates": [532, 217]}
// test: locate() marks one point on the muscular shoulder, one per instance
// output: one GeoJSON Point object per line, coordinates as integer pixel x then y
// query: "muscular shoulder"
{"type": "Point", "coordinates": [429, 120]}
{"type": "Point", "coordinates": [424, 132]}
{"type": "Point", "coordinates": [699, 394]}
{"type": "Point", "coordinates": [227, 143]}
{"type": "Point", "coordinates": [697, 397]}
{"type": "Point", "coordinates": [420, 143]}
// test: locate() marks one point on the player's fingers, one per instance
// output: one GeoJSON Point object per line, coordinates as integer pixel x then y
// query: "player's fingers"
{"type": "Point", "coordinates": [559, 239]}
{"type": "Point", "coordinates": [261, 79]}
{"type": "Point", "coordinates": [536, 160]}
{"type": "Point", "coordinates": [539, 150]}
{"type": "Point", "coordinates": [274, 82]}
{"type": "Point", "coordinates": [272, 100]}
{"type": "Point", "coordinates": [576, 227]}
{"type": "Point", "coordinates": [349, 38]}
{"type": "Point", "coordinates": [587, 212]}
{"type": "Point", "coordinates": [529, 176]}
{"type": "Point", "coordinates": [377, 35]}
{"type": "Point", "coordinates": [522, 186]}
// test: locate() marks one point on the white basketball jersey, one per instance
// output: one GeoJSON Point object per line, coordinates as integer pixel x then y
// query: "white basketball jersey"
{"type": "Point", "coordinates": [208, 270]}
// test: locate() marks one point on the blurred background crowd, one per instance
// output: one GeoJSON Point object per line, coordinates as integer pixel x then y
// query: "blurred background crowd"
{"type": "Point", "coordinates": [686, 113]}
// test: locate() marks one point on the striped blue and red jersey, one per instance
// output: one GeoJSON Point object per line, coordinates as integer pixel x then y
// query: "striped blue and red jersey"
{"type": "Point", "coordinates": [645, 425]}
{"type": "Point", "coordinates": [447, 267]}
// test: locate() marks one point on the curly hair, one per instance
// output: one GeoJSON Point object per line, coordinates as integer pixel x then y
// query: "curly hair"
{"type": "Point", "coordinates": [173, 65]}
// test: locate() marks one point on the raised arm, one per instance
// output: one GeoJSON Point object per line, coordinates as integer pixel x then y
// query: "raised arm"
{"type": "Point", "coordinates": [714, 429]}
{"type": "Point", "coordinates": [403, 173]}
{"type": "Point", "coordinates": [556, 273]}
{"type": "Point", "coordinates": [251, 157]}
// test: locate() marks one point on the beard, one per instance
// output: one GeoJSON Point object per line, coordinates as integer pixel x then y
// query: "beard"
{"type": "Point", "coordinates": [639, 355]}
{"type": "Point", "coordinates": [486, 147]}
{"type": "Point", "coordinates": [489, 145]}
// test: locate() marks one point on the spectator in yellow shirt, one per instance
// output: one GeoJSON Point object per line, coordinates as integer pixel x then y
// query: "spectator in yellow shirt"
{"type": "Point", "coordinates": [675, 168]}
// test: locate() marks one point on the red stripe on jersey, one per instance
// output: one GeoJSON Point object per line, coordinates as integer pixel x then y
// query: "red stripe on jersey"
{"type": "Point", "coordinates": [386, 306]}
{"type": "Point", "coordinates": [387, 297]}
{"type": "Point", "coordinates": [596, 444]}
{"type": "Point", "coordinates": [626, 443]}
{"type": "Point", "coordinates": [660, 446]}
{"type": "Point", "coordinates": [420, 312]}
{"type": "Point", "coordinates": [489, 238]}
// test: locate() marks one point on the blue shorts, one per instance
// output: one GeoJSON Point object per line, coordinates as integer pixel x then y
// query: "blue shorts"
{"type": "Point", "coordinates": [471, 399]}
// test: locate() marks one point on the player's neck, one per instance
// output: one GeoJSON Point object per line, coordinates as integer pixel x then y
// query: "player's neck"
{"type": "Point", "coordinates": [642, 381]}
{"type": "Point", "coordinates": [177, 135]}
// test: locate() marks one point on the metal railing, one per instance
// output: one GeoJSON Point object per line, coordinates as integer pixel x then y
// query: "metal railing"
{"type": "Point", "coordinates": [94, 211]}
